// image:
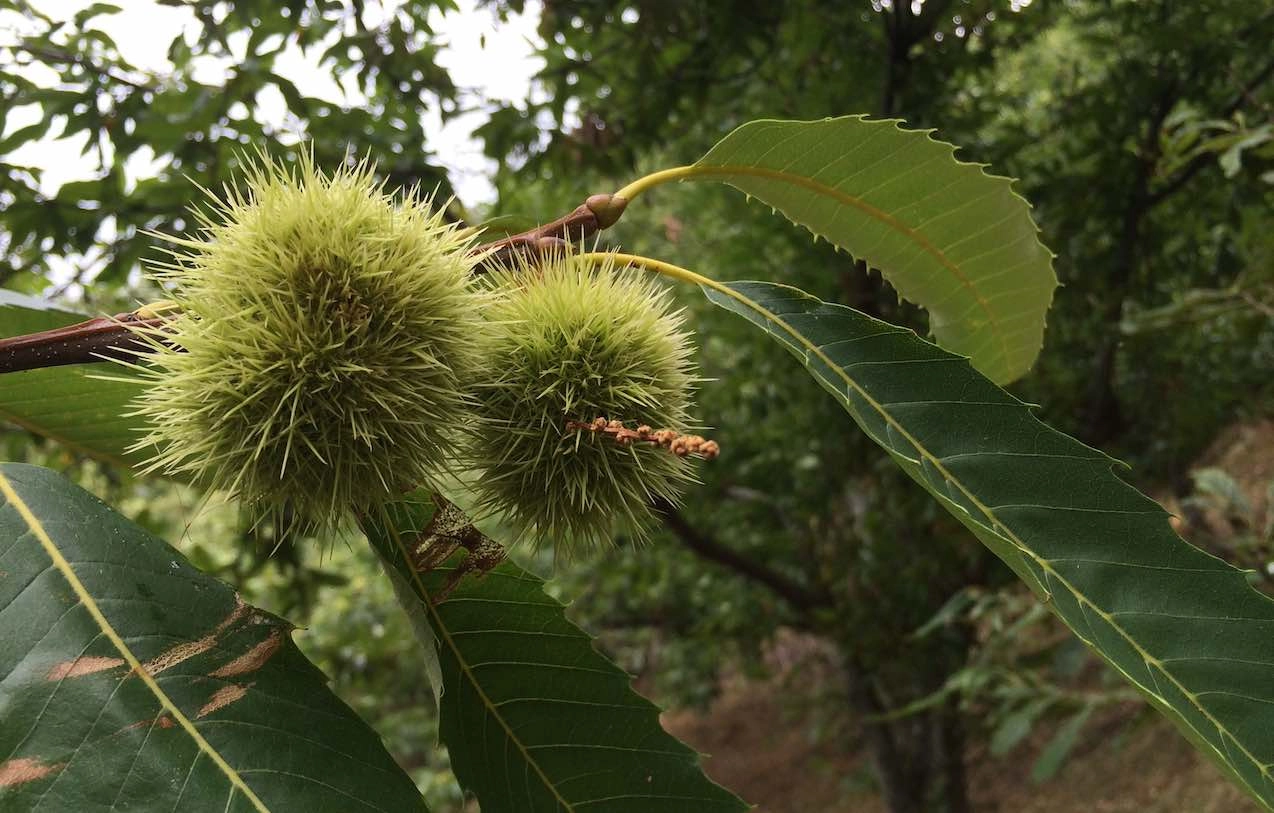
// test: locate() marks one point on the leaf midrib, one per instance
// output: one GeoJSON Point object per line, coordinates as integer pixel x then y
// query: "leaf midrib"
{"type": "Point", "coordinates": [444, 634]}
{"type": "Point", "coordinates": [1043, 563]}
{"type": "Point", "coordinates": [85, 598]}
{"type": "Point", "coordinates": [854, 202]}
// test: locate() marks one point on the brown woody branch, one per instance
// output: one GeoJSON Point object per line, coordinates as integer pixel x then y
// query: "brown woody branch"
{"type": "Point", "coordinates": [802, 598]}
{"type": "Point", "coordinates": [596, 213]}
{"type": "Point", "coordinates": [104, 338]}
{"type": "Point", "coordinates": [100, 339]}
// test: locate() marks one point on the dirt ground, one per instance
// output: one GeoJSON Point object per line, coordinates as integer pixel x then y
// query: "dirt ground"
{"type": "Point", "coordinates": [765, 752]}
{"type": "Point", "coordinates": [1246, 452]}
{"type": "Point", "coordinates": [757, 750]}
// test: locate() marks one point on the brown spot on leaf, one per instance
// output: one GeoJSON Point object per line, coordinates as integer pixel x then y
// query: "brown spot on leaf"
{"type": "Point", "coordinates": [20, 771]}
{"type": "Point", "coordinates": [449, 530]}
{"type": "Point", "coordinates": [181, 652]}
{"type": "Point", "coordinates": [188, 649]}
{"type": "Point", "coordinates": [162, 721]}
{"type": "Point", "coordinates": [83, 665]}
{"type": "Point", "coordinates": [253, 659]}
{"type": "Point", "coordinates": [222, 698]}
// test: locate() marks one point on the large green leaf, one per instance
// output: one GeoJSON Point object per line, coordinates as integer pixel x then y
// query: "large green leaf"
{"type": "Point", "coordinates": [73, 404]}
{"type": "Point", "coordinates": [1183, 626]}
{"type": "Point", "coordinates": [946, 235]}
{"type": "Point", "coordinates": [534, 718]}
{"type": "Point", "coordinates": [130, 680]}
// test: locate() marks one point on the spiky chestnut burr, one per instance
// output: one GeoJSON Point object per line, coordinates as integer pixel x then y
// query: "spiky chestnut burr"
{"type": "Point", "coordinates": [325, 338]}
{"type": "Point", "coordinates": [569, 340]}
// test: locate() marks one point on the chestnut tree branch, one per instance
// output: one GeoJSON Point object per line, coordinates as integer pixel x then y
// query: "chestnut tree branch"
{"type": "Point", "coordinates": [102, 338]}
{"type": "Point", "coordinates": [95, 340]}
{"type": "Point", "coordinates": [596, 213]}
{"type": "Point", "coordinates": [798, 595]}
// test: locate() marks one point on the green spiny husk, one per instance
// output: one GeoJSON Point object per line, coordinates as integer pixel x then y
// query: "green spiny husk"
{"type": "Point", "coordinates": [569, 340]}
{"type": "Point", "coordinates": [326, 336]}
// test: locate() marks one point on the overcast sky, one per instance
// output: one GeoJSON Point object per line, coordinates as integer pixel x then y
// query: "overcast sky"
{"type": "Point", "coordinates": [486, 58]}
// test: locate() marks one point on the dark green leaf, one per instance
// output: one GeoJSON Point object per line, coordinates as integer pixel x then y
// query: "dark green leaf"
{"type": "Point", "coordinates": [1182, 626]}
{"type": "Point", "coordinates": [82, 190]}
{"type": "Point", "coordinates": [95, 10]}
{"type": "Point", "coordinates": [533, 717]}
{"type": "Point", "coordinates": [130, 680]}
{"type": "Point", "coordinates": [22, 135]}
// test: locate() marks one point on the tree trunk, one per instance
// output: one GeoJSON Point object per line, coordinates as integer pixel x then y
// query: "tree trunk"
{"type": "Point", "coordinates": [918, 759]}
{"type": "Point", "coordinates": [1103, 418]}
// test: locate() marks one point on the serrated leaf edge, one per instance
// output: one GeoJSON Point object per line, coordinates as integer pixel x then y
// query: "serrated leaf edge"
{"type": "Point", "coordinates": [1007, 534]}
{"type": "Point", "coordinates": [706, 172]}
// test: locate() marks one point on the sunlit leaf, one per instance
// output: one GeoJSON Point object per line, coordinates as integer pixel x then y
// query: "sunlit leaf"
{"type": "Point", "coordinates": [947, 236]}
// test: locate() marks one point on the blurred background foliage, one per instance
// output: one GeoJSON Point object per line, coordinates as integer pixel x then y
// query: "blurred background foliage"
{"type": "Point", "coordinates": [1141, 131]}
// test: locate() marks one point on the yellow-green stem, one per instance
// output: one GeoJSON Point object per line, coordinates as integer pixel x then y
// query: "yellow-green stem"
{"type": "Point", "coordinates": [655, 179]}
{"type": "Point", "coordinates": [660, 267]}
{"type": "Point", "coordinates": [728, 171]}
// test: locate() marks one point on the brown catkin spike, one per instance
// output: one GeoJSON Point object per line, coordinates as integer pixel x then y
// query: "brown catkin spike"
{"type": "Point", "coordinates": [670, 439]}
